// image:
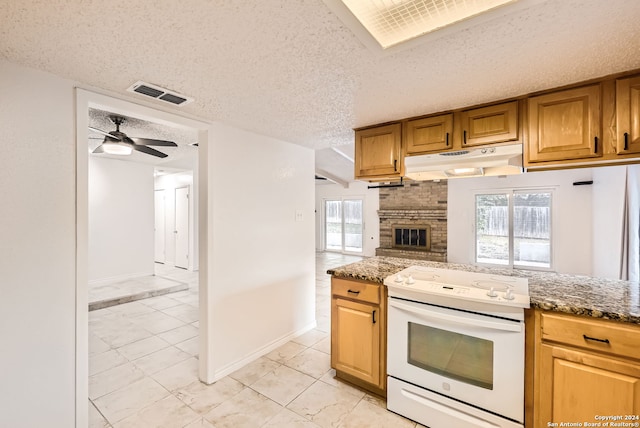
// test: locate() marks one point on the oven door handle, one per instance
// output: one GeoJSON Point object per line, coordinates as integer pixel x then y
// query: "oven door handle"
{"type": "Point", "coordinates": [437, 316]}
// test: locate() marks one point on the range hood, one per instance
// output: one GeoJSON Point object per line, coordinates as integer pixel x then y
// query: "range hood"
{"type": "Point", "coordinates": [479, 162]}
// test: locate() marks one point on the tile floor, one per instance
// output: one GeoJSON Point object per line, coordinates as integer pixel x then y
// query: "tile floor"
{"type": "Point", "coordinates": [143, 371]}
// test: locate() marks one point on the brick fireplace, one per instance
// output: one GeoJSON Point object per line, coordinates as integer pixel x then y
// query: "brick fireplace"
{"type": "Point", "coordinates": [413, 221]}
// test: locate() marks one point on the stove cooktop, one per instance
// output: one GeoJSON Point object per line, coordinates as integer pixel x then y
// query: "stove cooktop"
{"type": "Point", "coordinates": [459, 288]}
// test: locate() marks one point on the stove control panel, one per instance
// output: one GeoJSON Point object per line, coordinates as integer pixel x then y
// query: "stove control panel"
{"type": "Point", "coordinates": [418, 282]}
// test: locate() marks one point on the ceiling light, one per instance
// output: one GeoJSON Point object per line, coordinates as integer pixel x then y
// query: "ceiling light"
{"type": "Point", "coordinates": [392, 22]}
{"type": "Point", "coordinates": [115, 148]}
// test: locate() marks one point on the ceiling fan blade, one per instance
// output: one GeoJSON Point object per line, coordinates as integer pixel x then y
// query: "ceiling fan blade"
{"type": "Point", "coordinates": [106, 134]}
{"type": "Point", "coordinates": [149, 151]}
{"type": "Point", "coordinates": [152, 142]}
{"type": "Point", "coordinates": [98, 149]}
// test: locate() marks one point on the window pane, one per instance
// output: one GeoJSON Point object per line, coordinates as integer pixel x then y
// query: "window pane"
{"type": "Point", "coordinates": [353, 225]}
{"type": "Point", "coordinates": [532, 229]}
{"type": "Point", "coordinates": [333, 224]}
{"type": "Point", "coordinates": [492, 229]}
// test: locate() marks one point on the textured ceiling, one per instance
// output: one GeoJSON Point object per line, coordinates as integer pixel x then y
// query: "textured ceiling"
{"type": "Point", "coordinates": [292, 70]}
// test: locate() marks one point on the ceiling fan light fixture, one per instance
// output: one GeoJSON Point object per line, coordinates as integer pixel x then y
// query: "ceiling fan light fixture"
{"type": "Point", "coordinates": [115, 148]}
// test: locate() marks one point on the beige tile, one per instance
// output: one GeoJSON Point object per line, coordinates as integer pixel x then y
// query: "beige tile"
{"type": "Point", "coordinates": [311, 362]}
{"type": "Point", "coordinates": [190, 346]}
{"type": "Point", "coordinates": [160, 302]}
{"type": "Point", "coordinates": [161, 359]}
{"type": "Point", "coordinates": [310, 338]}
{"type": "Point", "coordinates": [323, 322]}
{"type": "Point", "coordinates": [287, 418]}
{"type": "Point", "coordinates": [157, 322]}
{"type": "Point", "coordinates": [132, 309]}
{"type": "Point", "coordinates": [179, 375]}
{"type": "Point", "coordinates": [143, 347]}
{"type": "Point", "coordinates": [121, 334]}
{"type": "Point", "coordinates": [324, 404]}
{"type": "Point", "coordinates": [185, 313]}
{"type": "Point", "coordinates": [115, 378]}
{"type": "Point", "coordinates": [179, 334]}
{"type": "Point", "coordinates": [200, 423]}
{"type": "Point", "coordinates": [129, 400]}
{"type": "Point", "coordinates": [330, 379]}
{"type": "Point", "coordinates": [97, 345]}
{"type": "Point", "coordinates": [96, 420]}
{"type": "Point", "coordinates": [286, 351]}
{"type": "Point", "coordinates": [368, 415]}
{"type": "Point", "coordinates": [253, 371]}
{"type": "Point", "coordinates": [246, 409]}
{"type": "Point", "coordinates": [105, 361]}
{"type": "Point", "coordinates": [324, 345]}
{"type": "Point", "coordinates": [166, 413]}
{"type": "Point", "coordinates": [283, 384]}
{"type": "Point", "coordinates": [202, 397]}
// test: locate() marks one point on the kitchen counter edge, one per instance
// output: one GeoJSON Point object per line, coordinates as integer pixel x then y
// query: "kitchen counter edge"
{"type": "Point", "coordinates": [573, 294]}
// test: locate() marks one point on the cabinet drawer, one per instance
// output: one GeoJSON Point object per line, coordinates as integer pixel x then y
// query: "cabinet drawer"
{"type": "Point", "coordinates": [356, 290]}
{"type": "Point", "coordinates": [598, 335]}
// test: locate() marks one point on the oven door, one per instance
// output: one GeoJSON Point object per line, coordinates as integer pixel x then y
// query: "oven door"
{"type": "Point", "coordinates": [469, 357]}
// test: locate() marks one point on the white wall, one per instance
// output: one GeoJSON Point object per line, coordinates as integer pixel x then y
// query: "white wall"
{"type": "Point", "coordinates": [169, 183]}
{"type": "Point", "coordinates": [357, 189]}
{"type": "Point", "coordinates": [121, 220]}
{"type": "Point", "coordinates": [37, 254]}
{"type": "Point", "coordinates": [262, 278]}
{"type": "Point", "coordinates": [572, 217]}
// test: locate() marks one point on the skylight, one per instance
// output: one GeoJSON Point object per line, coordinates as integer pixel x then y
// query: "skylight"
{"type": "Point", "coordinates": [392, 22]}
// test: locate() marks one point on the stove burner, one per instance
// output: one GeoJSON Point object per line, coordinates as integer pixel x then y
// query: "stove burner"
{"type": "Point", "coordinates": [421, 276]}
{"type": "Point", "coordinates": [488, 285]}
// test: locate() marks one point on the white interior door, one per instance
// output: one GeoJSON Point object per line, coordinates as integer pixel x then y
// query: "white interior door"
{"type": "Point", "coordinates": [160, 248]}
{"type": "Point", "coordinates": [181, 230]}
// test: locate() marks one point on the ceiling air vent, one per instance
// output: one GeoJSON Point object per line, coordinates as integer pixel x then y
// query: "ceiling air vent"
{"type": "Point", "coordinates": [159, 93]}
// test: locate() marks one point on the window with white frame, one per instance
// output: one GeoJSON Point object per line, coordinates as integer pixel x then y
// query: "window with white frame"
{"type": "Point", "coordinates": [513, 228]}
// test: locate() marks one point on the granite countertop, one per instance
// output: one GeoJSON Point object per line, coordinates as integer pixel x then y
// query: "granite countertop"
{"type": "Point", "coordinates": [573, 294]}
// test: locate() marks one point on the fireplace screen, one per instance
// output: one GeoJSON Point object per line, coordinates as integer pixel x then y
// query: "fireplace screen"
{"type": "Point", "coordinates": [412, 237]}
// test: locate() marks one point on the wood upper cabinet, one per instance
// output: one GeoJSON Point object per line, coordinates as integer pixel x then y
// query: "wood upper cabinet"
{"type": "Point", "coordinates": [628, 115]}
{"type": "Point", "coordinates": [379, 152]}
{"type": "Point", "coordinates": [429, 134]}
{"type": "Point", "coordinates": [492, 124]}
{"type": "Point", "coordinates": [565, 125]}
{"type": "Point", "coordinates": [585, 367]}
{"type": "Point", "coordinates": [358, 328]}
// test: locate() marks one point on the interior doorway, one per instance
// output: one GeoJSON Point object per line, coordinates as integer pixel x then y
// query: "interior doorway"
{"type": "Point", "coordinates": [181, 227]}
{"type": "Point", "coordinates": [85, 101]}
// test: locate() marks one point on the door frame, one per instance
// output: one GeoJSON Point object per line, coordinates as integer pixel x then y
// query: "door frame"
{"type": "Point", "coordinates": [175, 228]}
{"type": "Point", "coordinates": [86, 99]}
{"type": "Point", "coordinates": [164, 228]}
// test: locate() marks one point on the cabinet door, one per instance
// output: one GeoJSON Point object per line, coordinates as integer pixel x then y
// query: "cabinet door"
{"type": "Point", "coordinates": [576, 386]}
{"type": "Point", "coordinates": [378, 151]}
{"type": "Point", "coordinates": [628, 114]}
{"type": "Point", "coordinates": [492, 124]}
{"type": "Point", "coordinates": [565, 125]}
{"type": "Point", "coordinates": [355, 339]}
{"type": "Point", "coordinates": [429, 134]}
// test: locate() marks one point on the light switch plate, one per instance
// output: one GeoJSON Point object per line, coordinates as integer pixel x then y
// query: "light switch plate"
{"type": "Point", "coordinates": [299, 215]}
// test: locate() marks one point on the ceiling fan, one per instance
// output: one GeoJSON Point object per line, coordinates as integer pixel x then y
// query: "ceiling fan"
{"type": "Point", "coordinates": [118, 143]}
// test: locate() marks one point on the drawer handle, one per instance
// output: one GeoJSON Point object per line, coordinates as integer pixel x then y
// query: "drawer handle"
{"type": "Point", "coordinates": [373, 316]}
{"type": "Point", "coordinates": [595, 145]}
{"type": "Point", "coordinates": [353, 292]}
{"type": "Point", "coordinates": [595, 339]}
{"type": "Point", "coordinates": [464, 137]}
{"type": "Point", "coordinates": [447, 139]}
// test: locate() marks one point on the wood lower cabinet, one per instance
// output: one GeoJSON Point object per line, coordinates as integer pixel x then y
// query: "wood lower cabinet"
{"type": "Point", "coordinates": [492, 124]}
{"type": "Point", "coordinates": [358, 333]}
{"type": "Point", "coordinates": [584, 367]}
{"type": "Point", "coordinates": [378, 152]}
{"type": "Point", "coordinates": [429, 134]}
{"type": "Point", "coordinates": [565, 125]}
{"type": "Point", "coordinates": [628, 115]}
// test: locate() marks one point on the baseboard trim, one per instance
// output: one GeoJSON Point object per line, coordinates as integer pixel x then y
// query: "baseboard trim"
{"type": "Point", "coordinates": [232, 367]}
